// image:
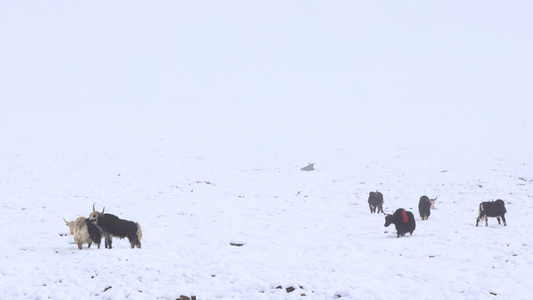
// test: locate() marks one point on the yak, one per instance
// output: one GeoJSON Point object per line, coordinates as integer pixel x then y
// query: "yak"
{"type": "Point", "coordinates": [375, 200]}
{"type": "Point", "coordinates": [84, 232]}
{"type": "Point", "coordinates": [424, 206]}
{"type": "Point", "coordinates": [403, 220]}
{"type": "Point", "coordinates": [495, 209]}
{"type": "Point", "coordinates": [112, 225]}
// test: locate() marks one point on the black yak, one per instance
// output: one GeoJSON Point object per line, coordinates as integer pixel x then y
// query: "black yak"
{"type": "Point", "coordinates": [112, 225]}
{"type": "Point", "coordinates": [424, 206]}
{"type": "Point", "coordinates": [84, 232]}
{"type": "Point", "coordinates": [495, 209]}
{"type": "Point", "coordinates": [375, 200]}
{"type": "Point", "coordinates": [403, 220]}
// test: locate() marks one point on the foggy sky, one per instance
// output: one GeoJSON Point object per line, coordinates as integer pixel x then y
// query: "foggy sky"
{"type": "Point", "coordinates": [276, 62]}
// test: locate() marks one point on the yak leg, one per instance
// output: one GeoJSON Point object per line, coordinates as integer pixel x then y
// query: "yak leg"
{"type": "Point", "coordinates": [134, 241]}
{"type": "Point", "coordinates": [498, 218]}
{"type": "Point", "coordinates": [79, 245]}
{"type": "Point", "coordinates": [481, 217]}
{"type": "Point", "coordinates": [108, 240]}
{"type": "Point", "coordinates": [504, 222]}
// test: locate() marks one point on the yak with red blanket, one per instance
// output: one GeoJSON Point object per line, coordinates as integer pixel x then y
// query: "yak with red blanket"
{"type": "Point", "coordinates": [403, 220]}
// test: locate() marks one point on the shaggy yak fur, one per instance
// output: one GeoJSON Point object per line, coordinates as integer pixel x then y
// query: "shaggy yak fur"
{"type": "Point", "coordinates": [403, 220]}
{"type": "Point", "coordinates": [375, 200]}
{"type": "Point", "coordinates": [84, 232]}
{"type": "Point", "coordinates": [495, 209]}
{"type": "Point", "coordinates": [112, 225]}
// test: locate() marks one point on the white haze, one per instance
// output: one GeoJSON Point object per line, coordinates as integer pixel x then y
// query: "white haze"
{"type": "Point", "coordinates": [131, 105]}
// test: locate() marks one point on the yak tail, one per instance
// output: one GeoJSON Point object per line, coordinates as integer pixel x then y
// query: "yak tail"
{"type": "Point", "coordinates": [139, 232]}
{"type": "Point", "coordinates": [479, 213]}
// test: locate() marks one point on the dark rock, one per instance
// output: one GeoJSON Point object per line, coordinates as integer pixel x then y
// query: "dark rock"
{"type": "Point", "coordinates": [308, 167]}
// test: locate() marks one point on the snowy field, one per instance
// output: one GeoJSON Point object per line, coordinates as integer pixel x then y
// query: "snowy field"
{"type": "Point", "coordinates": [203, 147]}
{"type": "Point", "coordinates": [308, 230]}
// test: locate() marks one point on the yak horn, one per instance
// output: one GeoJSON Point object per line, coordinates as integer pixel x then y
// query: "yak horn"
{"type": "Point", "coordinates": [103, 210]}
{"type": "Point", "coordinates": [65, 220]}
{"type": "Point", "coordinates": [93, 208]}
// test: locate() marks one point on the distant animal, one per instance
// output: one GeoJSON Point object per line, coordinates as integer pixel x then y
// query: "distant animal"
{"type": "Point", "coordinates": [309, 167]}
{"type": "Point", "coordinates": [375, 200]}
{"type": "Point", "coordinates": [403, 220]}
{"type": "Point", "coordinates": [495, 209]}
{"type": "Point", "coordinates": [84, 232]}
{"type": "Point", "coordinates": [424, 206]}
{"type": "Point", "coordinates": [112, 225]}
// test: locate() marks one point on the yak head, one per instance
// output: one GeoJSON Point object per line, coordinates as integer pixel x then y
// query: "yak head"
{"type": "Point", "coordinates": [432, 201]}
{"type": "Point", "coordinates": [95, 214]}
{"type": "Point", "coordinates": [76, 224]}
{"type": "Point", "coordinates": [70, 225]}
{"type": "Point", "coordinates": [388, 220]}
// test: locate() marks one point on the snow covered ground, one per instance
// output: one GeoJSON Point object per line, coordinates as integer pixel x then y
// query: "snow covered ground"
{"type": "Point", "coordinates": [205, 152]}
{"type": "Point", "coordinates": [307, 230]}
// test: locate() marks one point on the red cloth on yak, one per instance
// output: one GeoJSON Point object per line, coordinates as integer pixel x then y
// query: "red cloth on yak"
{"type": "Point", "coordinates": [405, 219]}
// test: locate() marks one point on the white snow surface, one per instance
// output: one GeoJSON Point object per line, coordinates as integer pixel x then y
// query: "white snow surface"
{"type": "Point", "coordinates": [198, 133]}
